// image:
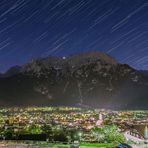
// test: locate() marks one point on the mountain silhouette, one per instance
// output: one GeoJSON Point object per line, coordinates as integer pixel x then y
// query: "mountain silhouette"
{"type": "Point", "coordinates": [89, 79]}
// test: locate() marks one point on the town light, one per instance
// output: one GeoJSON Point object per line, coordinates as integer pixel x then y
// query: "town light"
{"type": "Point", "coordinates": [80, 134]}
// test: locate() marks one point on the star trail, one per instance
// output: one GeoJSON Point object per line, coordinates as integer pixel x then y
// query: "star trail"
{"type": "Point", "coordinates": [38, 28]}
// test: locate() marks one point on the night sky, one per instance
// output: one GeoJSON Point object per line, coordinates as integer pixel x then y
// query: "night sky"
{"type": "Point", "coordinates": [38, 28]}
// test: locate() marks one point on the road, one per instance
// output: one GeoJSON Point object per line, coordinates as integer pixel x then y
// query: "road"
{"type": "Point", "coordinates": [27, 146]}
{"type": "Point", "coordinates": [18, 146]}
{"type": "Point", "coordinates": [132, 138]}
{"type": "Point", "coordinates": [90, 147]}
{"type": "Point", "coordinates": [33, 146]}
{"type": "Point", "coordinates": [140, 142]}
{"type": "Point", "coordinates": [139, 146]}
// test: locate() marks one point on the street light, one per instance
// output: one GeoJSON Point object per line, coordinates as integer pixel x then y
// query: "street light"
{"type": "Point", "coordinates": [80, 135]}
{"type": "Point", "coordinates": [146, 134]}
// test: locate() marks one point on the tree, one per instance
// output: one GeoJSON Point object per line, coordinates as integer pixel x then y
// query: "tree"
{"type": "Point", "coordinates": [59, 134]}
{"type": "Point", "coordinates": [99, 134]}
{"type": "Point", "coordinates": [112, 134]}
{"type": "Point", "coordinates": [108, 133]}
{"type": "Point", "coordinates": [35, 129]}
{"type": "Point", "coordinates": [8, 133]}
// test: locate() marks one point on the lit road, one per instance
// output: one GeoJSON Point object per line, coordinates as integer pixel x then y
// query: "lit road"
{"type": "Point", "coordinates": [140, 146]}
{"type": "Point", "coordinates": [27, 146]}
{"type": "Point", "coordinates": [90, 147]}
{"type": "Point", "coordinates": [135, 139]}
{"type": "Point", "coordinates": [18, 146]}
{"type": "Point", "coordinates": [32, 146]}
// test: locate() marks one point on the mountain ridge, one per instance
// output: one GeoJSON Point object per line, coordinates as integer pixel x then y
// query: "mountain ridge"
{"type": "Point", "coordinates": [92, 79]}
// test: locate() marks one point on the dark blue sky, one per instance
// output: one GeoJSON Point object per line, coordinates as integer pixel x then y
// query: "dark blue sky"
{"type": "Point", "coordinates": [37, 28]}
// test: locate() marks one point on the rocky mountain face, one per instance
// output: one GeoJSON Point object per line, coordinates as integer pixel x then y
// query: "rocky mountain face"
{"type": "Point", "coordinates": [91, 79]}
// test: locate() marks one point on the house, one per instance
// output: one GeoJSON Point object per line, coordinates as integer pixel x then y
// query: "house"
{"type": "Point", "coordinates": [138, 132]}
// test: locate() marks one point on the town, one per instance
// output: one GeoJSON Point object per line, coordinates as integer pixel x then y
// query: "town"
{"type": "Point", "coordinates": [69, 124]}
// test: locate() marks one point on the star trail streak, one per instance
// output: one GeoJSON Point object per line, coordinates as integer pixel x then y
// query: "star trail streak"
{"type": "Point", "coordinates": [35, 28]}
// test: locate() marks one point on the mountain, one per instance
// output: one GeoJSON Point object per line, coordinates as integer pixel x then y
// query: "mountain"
{"type": "Point", "coordinates": [144, 72]}
{"type": "Point", "coordinates": [90, 79]}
